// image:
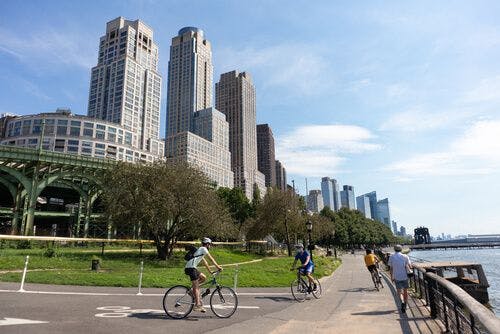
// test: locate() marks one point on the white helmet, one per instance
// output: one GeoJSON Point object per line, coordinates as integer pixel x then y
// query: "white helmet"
{"type": "Point", "coordinates": [298, 246]}
{"type": "Point", "coordinates": [206, 241]}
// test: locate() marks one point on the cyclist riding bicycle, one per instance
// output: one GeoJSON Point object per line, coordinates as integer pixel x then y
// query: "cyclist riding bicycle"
{"type": "Point", "coordinates": [372, 261]}
{"type": "Point", "coordinates": [197, 278]}
{"type": "Point", "coordinates": [307, 267]}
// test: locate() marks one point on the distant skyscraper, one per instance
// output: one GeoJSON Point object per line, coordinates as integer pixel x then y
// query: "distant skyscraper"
{"type": "Point", "coordinates": [363, 205]}
{"type": "Point", "coordinates": [315, 201]}
{"type": "Point", "coordinates": [372, 196]}
{"type": "Point", "coordinates": [235, 97]}
{"type": "Point", "coordinates": [265, 154]}
{"type": "Point", "coordinates": [384, 214]}
{"type": "Point", "coordinates": [402, 231]}
{"type": "Point", "coordinates": [395, 227]}
{"type": "Point", "coordinates": [197, 133]}
{"type": "Point", "coordinates": [327, 192]}
{"type": "Point", "coordinates": [280, 176]}
{"type": "Point", "coordinates": [347, 198]}
{"type": "Point", "coordinates": [331, 194]}
{"type": "Point", "coordinates": [125, 86]}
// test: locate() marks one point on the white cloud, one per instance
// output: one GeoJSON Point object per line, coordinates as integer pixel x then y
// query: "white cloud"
{"type": "Point", "coordinates": [298, 68]}
{"type": "Point", "coordinates": [487, 90]}
{"type": "Point", "coordinates": [475, 153]}
{"type": "Point", "coordinates": [316, 150]}
{"type": "Point", "coordinates": [417, 119]}
{"type": "Point", "coordinates": [49, 47]}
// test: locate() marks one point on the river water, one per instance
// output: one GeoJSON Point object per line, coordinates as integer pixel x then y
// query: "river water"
{"type": "Point", "coordinates": [489, 258]}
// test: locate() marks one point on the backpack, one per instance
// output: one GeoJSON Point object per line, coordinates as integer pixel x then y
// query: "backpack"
{"type": "Point", "coordinates": [190, 252]}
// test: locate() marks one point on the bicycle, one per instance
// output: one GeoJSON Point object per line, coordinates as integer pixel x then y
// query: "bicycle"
{"type": "Point", "coordinates": [376, 279]}
{"type": "Point", "coordinates": [300, 287]}
{"type": "Point", "coordinates": [178, 301]}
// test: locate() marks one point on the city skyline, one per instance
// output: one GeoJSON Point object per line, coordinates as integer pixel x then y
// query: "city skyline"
{"type": "Point", "coordinates": [400, 99]}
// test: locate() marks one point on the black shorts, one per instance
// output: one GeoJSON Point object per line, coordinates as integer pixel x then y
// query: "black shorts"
{"type": "Point", "coordinates": [193, 273]}
{"type": "Point", "coordinates": [372, 268]}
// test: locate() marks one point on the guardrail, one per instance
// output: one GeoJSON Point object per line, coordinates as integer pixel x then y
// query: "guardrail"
{"type": "Point", "coordinates": [459, 312]}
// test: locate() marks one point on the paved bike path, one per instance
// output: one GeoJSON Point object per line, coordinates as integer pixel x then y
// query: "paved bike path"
{"type": "Point", "coordinates": [350, 304]}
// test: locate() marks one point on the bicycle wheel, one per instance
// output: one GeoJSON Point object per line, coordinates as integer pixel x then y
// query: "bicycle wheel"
{"type": "Point", "coordinates": [178, 302]}
{"type": "Point", "coordinates": [223, 302]}
{"type": "Point", "coordinates": [299, 289]}
{"type": "Point", "coordinates": [375, 280]}
{"type": "Point", "coordinates": [380, 282]}
{"type": "Point", "coordinates": [317, 293]}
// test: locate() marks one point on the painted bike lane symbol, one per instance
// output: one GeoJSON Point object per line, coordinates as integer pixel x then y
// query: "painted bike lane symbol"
{"type": "Point", "coordinates": [122, 311]}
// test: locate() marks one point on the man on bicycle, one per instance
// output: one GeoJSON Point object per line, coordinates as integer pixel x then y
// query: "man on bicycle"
{"type": "Point", "coordinates": [307, 267]}
{"type": "Point", "coordinates": [197, 278]}
{"type": "Point", "coordinates": [371, 262]}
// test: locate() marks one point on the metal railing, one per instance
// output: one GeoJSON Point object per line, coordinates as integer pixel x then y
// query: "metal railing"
{"type": "Point", "coordinates": [459, 312]}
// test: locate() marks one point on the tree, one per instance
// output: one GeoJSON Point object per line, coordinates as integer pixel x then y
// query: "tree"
{"type": "Point", "coordinates": [237, 203]}
{"type": "Point", "coordinates": [166, 202]}
{"type": "Point", "coordinates": [279, 214]}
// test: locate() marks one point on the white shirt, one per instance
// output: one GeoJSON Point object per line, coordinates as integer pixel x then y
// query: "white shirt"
{"type": "Point", "coordinates": [399, 264]}
{"type": "Point", "coordinates": [198, 255]}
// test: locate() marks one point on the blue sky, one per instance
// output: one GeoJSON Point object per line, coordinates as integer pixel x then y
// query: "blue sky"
{"type": "Point", "coordinates": [402, 98]}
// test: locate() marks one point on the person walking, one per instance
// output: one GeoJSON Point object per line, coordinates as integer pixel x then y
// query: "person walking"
{"type": "Point", "coordinates": [400, 265]}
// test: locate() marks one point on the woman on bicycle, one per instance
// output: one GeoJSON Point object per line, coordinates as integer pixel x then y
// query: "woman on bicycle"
{"type": "Point", "coordinates": [197, 278]}
{"type": "Point", "coordinates": [307, 267]}
{"type": "Point", "coordinates": [371, 261]}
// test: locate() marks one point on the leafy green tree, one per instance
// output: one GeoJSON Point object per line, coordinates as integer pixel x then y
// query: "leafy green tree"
{"type": "Point", "coordinates": [279, 214]}
{"type": "Point", "coordinates": [165, 202]}
{"type": "Point", "coordinates": [237, 203]}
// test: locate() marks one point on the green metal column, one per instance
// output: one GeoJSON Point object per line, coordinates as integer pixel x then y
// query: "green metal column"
{"type": "Point", "coordinates": [17, 207]}
{"type": "Point", "coordinates": [88, 212]}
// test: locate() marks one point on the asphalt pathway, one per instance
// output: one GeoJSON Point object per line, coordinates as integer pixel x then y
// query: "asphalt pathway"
{"type": "Point", "coordinates": [349, 304]}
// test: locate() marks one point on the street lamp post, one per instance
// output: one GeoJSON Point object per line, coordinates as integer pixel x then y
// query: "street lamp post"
{"type": "Point", "coordinates": [310, 246]}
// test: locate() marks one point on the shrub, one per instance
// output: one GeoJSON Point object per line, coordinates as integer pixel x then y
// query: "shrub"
{"type": "Point", "coordinates": [24, 244]}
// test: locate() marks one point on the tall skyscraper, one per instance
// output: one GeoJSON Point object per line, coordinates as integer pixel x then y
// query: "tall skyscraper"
{"type": "Point", "coordinates": [372, 196]}
{"type": "Point", "coordinates": [347, 197]}
{"type": "Point", "coordinates": [315, 201]}
{"type": "Point", "coordinates": [197, 133]}
{"type": "Point", "coordinates": [363, 206]}
{"type": "Point", "coordinates": [281, 182]}
{"type": "Point", "coordinates": [383, 212]}
{"type": "Point", "coordinates": [235, 97]}
{"type": "Point", "coordinates": [394, 227]}
{"type": "Point", "coordinates": [265, 154]}
{"type": "Point", "coordinates": [125, 86]}
{"type": "Point", "coordinates": [331, 194]}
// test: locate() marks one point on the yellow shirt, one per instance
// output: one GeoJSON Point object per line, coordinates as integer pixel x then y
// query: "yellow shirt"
{"type": "Point", "coordinates": [370, 259]}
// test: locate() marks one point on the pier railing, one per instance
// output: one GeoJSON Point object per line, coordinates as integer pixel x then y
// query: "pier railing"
{"type": "Point", "coordinates": [459, 312]}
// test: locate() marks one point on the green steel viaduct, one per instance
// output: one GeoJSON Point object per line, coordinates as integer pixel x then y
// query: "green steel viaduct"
{"type": "Point", "coordinates": [26, 175]}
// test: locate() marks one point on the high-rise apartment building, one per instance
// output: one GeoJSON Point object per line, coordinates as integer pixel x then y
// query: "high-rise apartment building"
{"type": "Point", "coordinates": [235, 98]}
{"type": "Point", "coordinates": [383, 212]}
{"type": "Point", "coordinates": [347, 197]}
{"type": "Point", "coordinates": [125, 86]}
{"type": "Point", "coordinates": [281, 182]}
{"type": "Point", "coordinates": [315, 201]}
{"type": "Point", "coordinates": [331, 194]}
{"type": "Point", "coordinates": [363, 206]}
{"type": "Point", "coordinates": [196, 132]}
{"type": "Point", "coordinates": [265, 154]}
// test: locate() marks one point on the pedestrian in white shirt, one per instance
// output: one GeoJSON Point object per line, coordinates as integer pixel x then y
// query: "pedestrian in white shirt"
{"type": "Point", "coordinates": [400, 266]}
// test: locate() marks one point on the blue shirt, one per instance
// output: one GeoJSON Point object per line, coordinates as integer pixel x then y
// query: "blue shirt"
{"type": "Point", "coordinates": [303, 257]}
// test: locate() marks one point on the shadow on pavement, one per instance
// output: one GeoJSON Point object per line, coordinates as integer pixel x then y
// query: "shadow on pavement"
{"type": "Point", "coordinates": [359, 290]}
{"type": "Point", "coordinates": [159, 316]}
{"type": "Point", "coordinates": [278, 299]}
{"type": "Point", "coordinates": [375, 312]}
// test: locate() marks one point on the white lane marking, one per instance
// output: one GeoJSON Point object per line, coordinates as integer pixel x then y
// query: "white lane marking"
{"type": "Point", "coordinates": [125, 311]}
{"type": "Point", "coordinates": [135, 294]}
{"type": "Point", "coordinates": [17, 321]}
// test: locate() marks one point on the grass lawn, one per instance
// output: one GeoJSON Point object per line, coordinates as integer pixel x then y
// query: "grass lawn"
{"type": "Point", "coordinates": [120, 267]}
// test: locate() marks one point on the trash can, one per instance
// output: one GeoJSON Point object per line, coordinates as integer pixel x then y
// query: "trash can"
{"type": "Point", "coordinates": [95, 264]}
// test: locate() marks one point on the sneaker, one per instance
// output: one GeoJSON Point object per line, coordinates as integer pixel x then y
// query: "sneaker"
{"type": "Point", "coordinates": [315, 287]}
{"type": "Point", "coordinates": [199, 308]}
{"type": "Point", "coordinates": [309, 289]}
{"type": "Point", "coordinates": [403, 307]}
